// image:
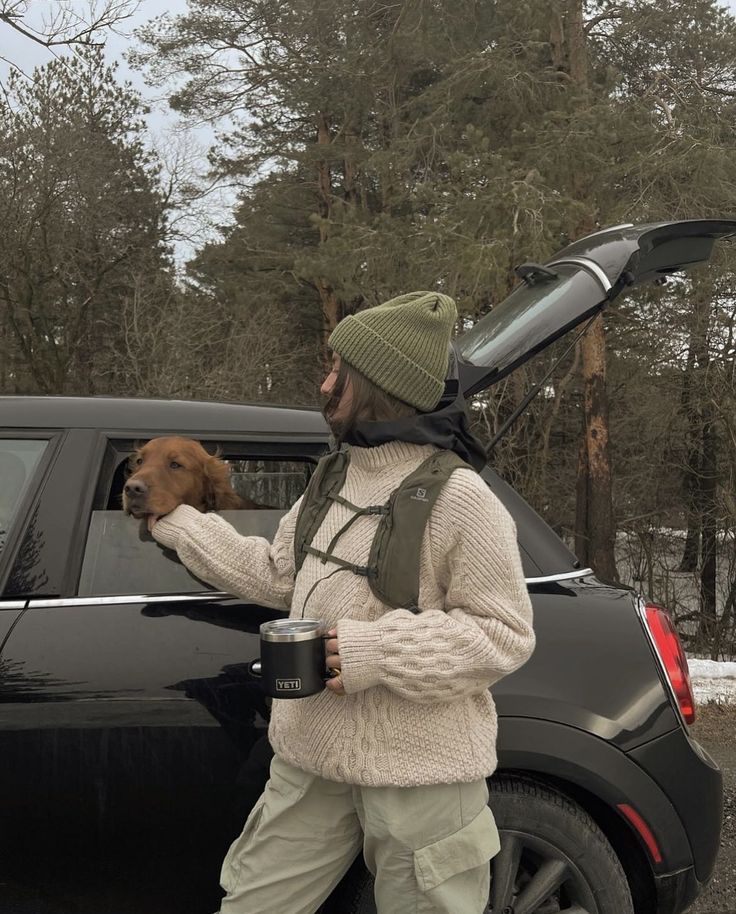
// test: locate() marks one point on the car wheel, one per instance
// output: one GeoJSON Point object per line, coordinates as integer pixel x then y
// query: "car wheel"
{"type": "Point", "coordinates": [553, 860]}
{"type": "Point", "coordinates": [553, 856]}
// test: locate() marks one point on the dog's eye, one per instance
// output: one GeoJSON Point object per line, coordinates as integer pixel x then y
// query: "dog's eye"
{"type": "Point", "coordinates": [174, 465]}
{"type": "Point", "coordinates": [138, 461]}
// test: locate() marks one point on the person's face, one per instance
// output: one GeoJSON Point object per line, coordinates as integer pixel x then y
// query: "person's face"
{"type": "Point", "coordinates": [342, 410]}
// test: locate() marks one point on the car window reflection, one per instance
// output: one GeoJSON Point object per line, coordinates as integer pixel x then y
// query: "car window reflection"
{"type": "Point", "coordinates": [121, 557]}
{"type": "Point", "coordinates": [18, 460]}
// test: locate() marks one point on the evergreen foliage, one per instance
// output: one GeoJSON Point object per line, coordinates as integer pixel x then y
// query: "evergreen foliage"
{"type": "Point", "coordinates": [83, 216]}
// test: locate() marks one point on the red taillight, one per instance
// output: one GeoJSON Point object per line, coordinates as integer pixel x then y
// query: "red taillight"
{"type": "Point", "coordinates": [669, 648]}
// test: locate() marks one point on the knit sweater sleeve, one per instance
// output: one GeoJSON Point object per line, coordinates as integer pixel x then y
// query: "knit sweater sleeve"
{"type": "Point", "coordinates": [249, 567]}
{"type": "Point", "coordinates": [485, 631]}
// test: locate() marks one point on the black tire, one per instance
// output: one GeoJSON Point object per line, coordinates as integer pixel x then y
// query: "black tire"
{"type": "Point", "coordinates": [553, 858]}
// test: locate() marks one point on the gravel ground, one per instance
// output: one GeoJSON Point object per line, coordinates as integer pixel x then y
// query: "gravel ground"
{"type": "Point", "coordinates": [715, 729]}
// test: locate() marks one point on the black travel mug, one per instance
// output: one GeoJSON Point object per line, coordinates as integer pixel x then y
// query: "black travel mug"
{"type": "Point", "coordinates": [292, 662]}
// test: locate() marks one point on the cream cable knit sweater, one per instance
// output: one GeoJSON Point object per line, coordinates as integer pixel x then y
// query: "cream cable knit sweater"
{"type": "Point", "coordinates": [417, 708]}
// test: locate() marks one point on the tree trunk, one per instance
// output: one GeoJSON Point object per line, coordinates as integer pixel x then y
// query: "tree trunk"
{"type": "Point", "coordinates": [694, 458]}
{"type": "Point", "coordinates": [331, 305]}
{"type": "Point", "coordinates": [709, 481]}
{"type": "Point", "coordinates": [350, 169]}
{"type": "Point", "coordinates": [594, 512]}
{"type": "Point", "coordinates": [582, 543]}
{"type": "Point", "coordinates": [599, 502]}
{"type": "Point", "coordinates": [691, 549]}
{"type": "Point", "coordinates": [702, 430]}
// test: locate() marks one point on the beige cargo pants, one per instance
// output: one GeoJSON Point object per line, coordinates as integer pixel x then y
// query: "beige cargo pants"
{"type": "Point", "coordinates": [428, 847]}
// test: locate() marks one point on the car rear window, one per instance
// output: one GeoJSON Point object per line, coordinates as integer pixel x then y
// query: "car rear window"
{"type": "Point", "coordinates": [18, 460]}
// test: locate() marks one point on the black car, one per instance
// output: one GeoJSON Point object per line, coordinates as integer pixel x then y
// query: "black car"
{"type": "Point", "coordinates": [133, 734]}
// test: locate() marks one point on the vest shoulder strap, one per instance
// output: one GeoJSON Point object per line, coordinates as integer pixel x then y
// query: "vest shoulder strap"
{"type": "Point", "coordinates": [328, 477]}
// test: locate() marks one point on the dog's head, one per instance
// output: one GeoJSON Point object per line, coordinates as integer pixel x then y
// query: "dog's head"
{"type": "Point", "coordinates": [167, 472]}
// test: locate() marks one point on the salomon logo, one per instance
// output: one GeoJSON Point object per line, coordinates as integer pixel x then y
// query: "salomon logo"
{"type": "Point", "coordinates": [288, 685]}
{"type": "Point", "coordinates": [421, 495]}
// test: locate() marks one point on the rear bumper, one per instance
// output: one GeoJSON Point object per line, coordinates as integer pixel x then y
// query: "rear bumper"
{"type": "Point", "coordinates": [677, 891]}
{"type": "Point", "coordinates": [693, 783]}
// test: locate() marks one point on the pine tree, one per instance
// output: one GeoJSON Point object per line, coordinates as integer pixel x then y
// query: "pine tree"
{"type": "Point", "coordinates": [84, 219]}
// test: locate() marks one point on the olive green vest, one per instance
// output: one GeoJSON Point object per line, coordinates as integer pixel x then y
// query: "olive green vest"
{"type": "Point", "coordinates": [393, 563]}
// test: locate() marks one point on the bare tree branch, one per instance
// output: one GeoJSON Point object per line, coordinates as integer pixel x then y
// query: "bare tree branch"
{"type": "Point", "coordinates": [65, 22]}
{"type": "Point", "coordinates": [615, 12]}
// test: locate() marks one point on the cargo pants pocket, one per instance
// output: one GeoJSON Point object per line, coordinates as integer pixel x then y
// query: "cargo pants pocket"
{"type": "Point", "coordinates": [454, 873]}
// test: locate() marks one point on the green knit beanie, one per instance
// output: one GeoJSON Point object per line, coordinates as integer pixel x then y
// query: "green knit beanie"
{"type": "Point", "coordinates": [401, 345]}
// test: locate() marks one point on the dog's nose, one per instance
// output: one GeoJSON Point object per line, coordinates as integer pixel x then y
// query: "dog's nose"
{"type": "Point", "coordinates": [135, 488]}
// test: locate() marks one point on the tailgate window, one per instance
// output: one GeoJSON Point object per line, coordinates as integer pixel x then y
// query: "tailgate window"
{"type": "Point", "coordinates": [18, 460]}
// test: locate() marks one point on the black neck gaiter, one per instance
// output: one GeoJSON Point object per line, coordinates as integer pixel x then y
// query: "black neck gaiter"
{"type": "Point", "coordinates": [446, 427]}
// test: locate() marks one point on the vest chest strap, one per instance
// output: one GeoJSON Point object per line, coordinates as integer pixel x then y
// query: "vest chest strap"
{"type": "Point", "coordinates": [369, 509]}
{"type": "Point", "coordinates": [358, 512]}
{"type": "Point", "coordinates": [366, 571]}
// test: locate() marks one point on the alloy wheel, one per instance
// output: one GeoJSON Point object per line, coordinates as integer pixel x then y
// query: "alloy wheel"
{"type": "Point", "coordinates": [529, 875]}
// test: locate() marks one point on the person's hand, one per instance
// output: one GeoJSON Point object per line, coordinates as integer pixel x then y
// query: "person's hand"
{"type": "Point", "coordinates": [333, 663]}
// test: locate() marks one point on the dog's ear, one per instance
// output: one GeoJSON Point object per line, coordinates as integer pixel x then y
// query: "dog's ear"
{"type": "Point", "coordinates": [218, 493]}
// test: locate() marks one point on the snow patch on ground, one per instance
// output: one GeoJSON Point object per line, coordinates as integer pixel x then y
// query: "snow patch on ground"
{"type": "Point", "coordinates": [713, 680]}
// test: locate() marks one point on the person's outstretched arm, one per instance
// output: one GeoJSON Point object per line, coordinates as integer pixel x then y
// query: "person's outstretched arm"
{"type": "Point", "coordinates": [249, 567]}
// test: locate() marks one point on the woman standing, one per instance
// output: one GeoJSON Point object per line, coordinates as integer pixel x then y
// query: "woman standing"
{"type": "Point", "coordinates": [394, 754]}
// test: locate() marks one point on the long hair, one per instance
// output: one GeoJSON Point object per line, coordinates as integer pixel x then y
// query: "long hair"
{"type": "Point", "coordinates": [368, 402]}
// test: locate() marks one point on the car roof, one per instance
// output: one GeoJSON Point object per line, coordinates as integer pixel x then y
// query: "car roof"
{"type": "Point", "coordinates": [158, 416]}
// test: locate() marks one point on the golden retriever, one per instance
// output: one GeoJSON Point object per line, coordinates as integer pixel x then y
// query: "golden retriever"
{"type": "Point", "coordinates": [167, 472]}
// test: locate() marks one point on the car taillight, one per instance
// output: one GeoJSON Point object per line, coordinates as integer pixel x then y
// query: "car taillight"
{"type": "Point", "coordinates": [668, 645]}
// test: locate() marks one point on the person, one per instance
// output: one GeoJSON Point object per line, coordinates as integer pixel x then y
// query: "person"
{"type": "Point", "coordinates": [394, 753]}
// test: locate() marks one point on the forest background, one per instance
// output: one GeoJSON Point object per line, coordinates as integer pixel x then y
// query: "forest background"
{"type": "Point", "coordinates": [371, 147]}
